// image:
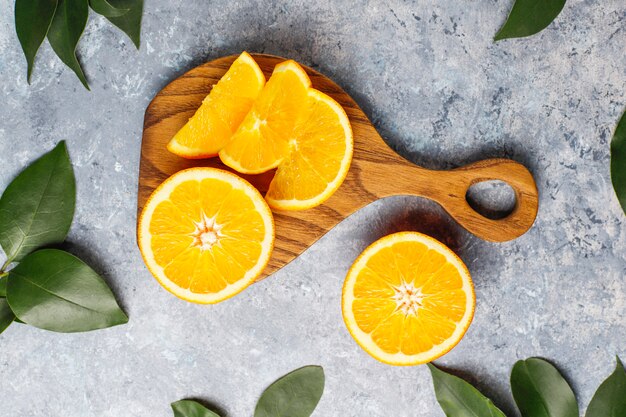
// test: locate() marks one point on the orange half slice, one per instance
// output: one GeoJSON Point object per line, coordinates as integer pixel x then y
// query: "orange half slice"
{"type": "Point", "coordinates": [408, 299]}
{"type": "Point", "coordinates": [319, 157]}
{"type": "Point", "coordinates": [206, 234]}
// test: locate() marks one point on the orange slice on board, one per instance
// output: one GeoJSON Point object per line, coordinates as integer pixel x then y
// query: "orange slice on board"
{"type": "Point", "coordinates": [319, 157]}
{"type": "Point", "coordinates": [408, 299]}
{"type": "Point", "coordinates": [221, 112]}
{"type": "Point", "coordinates": [262, 140]}
{"type": "Point", "coordinates": [206, 234]}
{"type": "Point", "coordinates": [299, 130]}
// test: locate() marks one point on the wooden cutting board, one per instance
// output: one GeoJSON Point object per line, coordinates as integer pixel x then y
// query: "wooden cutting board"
{"type": "Point", "coordinates": [376, 170]}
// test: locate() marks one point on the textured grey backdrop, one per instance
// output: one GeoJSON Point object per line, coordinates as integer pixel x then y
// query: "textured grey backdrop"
{"type": "Point", "coordinates": [442, 94]}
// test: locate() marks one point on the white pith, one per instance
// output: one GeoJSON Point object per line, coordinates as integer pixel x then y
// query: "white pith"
{"type": "Point", "coordinates": [207, 233]}
{"type": "Point", "coordinates": [408, 298]}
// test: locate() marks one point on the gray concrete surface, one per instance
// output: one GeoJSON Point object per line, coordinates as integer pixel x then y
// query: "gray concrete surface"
{"type": "Point", "coordinates": [442, 94]}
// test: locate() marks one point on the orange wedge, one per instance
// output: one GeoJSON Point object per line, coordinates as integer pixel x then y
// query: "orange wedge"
{"type": "Point", "coordinates": [206, 234]}
{"type": "Point", "coordinates": [319, 157]}
{"type": "Point", "coordinates": [221, 112]}
{"type": "Point", "coordinates": [299, 130]}
{"type": "Point", "coordinates": [408, 299]}
{"type": "Point", "coordinates": [263, 138]}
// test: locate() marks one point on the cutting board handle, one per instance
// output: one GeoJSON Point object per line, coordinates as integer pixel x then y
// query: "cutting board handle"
{"type": "Point", "coordinates": [382, 172]}
{"type": "Point", "coordinates": [453, 189]}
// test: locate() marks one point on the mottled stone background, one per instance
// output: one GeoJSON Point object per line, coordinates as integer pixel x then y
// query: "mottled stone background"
{"type": "Point", "coordinates": [443, 94]}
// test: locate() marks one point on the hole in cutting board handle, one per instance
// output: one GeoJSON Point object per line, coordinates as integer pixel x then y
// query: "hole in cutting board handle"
{"type": "Point", "coordinates": [493, 199]}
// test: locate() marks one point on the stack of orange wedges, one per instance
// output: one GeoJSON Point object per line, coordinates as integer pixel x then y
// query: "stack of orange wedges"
{"type": "Point", "coordinates": [205, 233]}
{"type": "Point", "coordinates": [285, 124]}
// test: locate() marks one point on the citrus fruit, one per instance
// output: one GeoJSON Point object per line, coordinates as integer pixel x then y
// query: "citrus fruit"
{"type": "Point", "coordinates": [408, 299]}
{"type": "Point", "coordinates": [206, 234]}
{"type": "Point", "coordinates": [299, 130]}
{"type": "Point", "coordinates": [319, 157]}
{"type": "Point", "coordinates": [221, 112]}
{"type": "Point", "coordinates": [263, 138]}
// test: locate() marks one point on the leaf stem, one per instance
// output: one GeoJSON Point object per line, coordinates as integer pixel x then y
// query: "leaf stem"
{"type": "Point", "coordinates": [3, 268]}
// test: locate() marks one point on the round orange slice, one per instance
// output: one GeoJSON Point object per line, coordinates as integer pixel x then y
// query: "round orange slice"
{"type": "Point", "coordinates": [221, 112]}
{"type": "Point", "coordinates": [408, 299]}
{"type": "Point", "coordinates": [206, 234]}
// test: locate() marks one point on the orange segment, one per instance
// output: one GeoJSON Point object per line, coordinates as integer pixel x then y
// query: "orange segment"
{"type": "Point", "coordinates": [262, 140]}
{"type": "Point", "coordinates": [319, 156]}
{"type": "Point", "coordinates": [221, 112]}
{"type": "Point", "coordinates": [408, 299]}
{"type": "Point", "coordinates": [206, 234]}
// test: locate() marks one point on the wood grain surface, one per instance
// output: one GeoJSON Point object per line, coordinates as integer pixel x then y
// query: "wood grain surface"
{"type": "Point", "coordinates": [376, 170]}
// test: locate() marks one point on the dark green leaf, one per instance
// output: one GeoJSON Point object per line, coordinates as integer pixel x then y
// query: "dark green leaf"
{"type": "Point", "coordinates": [294, 395]}
{"type": "Point", "coordinates": [540, 391]}
{"type": "Point", "coordinates": [37, 208]}
{"type": "Point", "coordinates": [54, 290]}
{"type": "Point", "coordinates": [6, 315]}
{"type": "Point", "coordinates": [32, 21]}
{"type": "Point", "coordinates": [458, 398]}
{"type": "Point", "coordinates": [65, 31]}
{"type": "Point", "coordinates": [105, 8]}
{"type": "Point", "coordinates": [610, 398]}
{"type": "Point", "coordinates": [618, 161]}
{"type": "Point", "coordinates": [528, 17]}
{"type": "Point", "coordinates": [129, 23]}
{"type": "Point", "coordinates": [3, 286]}
{"type": "Point", "coordinates": [188, 408]}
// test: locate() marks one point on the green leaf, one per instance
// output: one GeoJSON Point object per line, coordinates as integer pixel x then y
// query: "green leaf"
{"type": "Point", "coordinates": [189, 408]}
{"type": "Point", "coordinates": [105, 8]}
{"type": "Point", "coordinates": [294, 395]}
{"type": "Point", "coordinates": [56, 291]}
{"type": "Point", "coordinates": [458, 398]}
{"type": "Point", "coordinates": [3, 286]}
{"type": "Point", "coordinates": [32, 21]}
{"type": "Point", "coordinates": [37, 207]}
{"type": "Point", "coordinates": [610, 398]}
{"type": "Point", "coordinates": [528, 17]}
{"type": "Point", "coordinates": [6, 315]}
{"type": "Point", "coordinates": [618, 161]}
{"type": "Point", "coordinates": [129, 23]}
{"type": "Point", "coordinates": [65, 31]}
{"type": "Point", "coordinates": [540, 391]}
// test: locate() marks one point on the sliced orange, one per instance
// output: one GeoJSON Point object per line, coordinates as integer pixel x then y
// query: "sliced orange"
{"type": "Point", "coordinates": [319, 157]}
{"type": "Point", "coordinates": [299, 130]}
{"type": "Point", "coordinates": [408, 299]}
{"type": "Point", "coordinates": [263, 138]}
{"type": "Point", "coordinates": [221, 112]}
{"type": "Point", "coordinates": [206, 234]}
